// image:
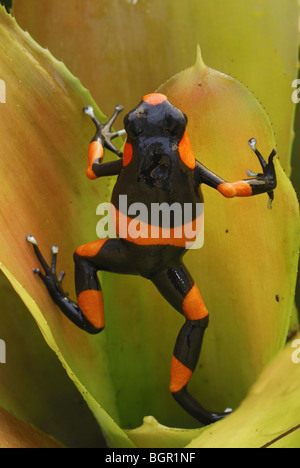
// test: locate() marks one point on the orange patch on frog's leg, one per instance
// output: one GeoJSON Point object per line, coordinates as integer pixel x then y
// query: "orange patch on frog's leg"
{"type": "Point", "coordinates": [235, 189]}
{"type": "Point", "coordinates": [91, 249]}
{"type": "Point", "coordinates": [193, 305]}
{"type": "Point", "coordinates": [91, 305]}
{"type": "Point", "coordinates": [180, 375]}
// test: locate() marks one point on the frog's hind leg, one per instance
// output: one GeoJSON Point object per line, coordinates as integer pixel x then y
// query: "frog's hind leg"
{"type": "Point", "coordinates": [88, 312]}
{"type": "Point", "coordinates": [101, 255]}
{"type": "Point", "coordinates": [88, 287]}
{"type": "Point", "coordinates": [177, 286]}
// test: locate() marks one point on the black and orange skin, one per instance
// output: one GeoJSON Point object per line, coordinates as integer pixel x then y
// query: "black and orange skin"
{"type": "Point", "coordinates": [157, 166]}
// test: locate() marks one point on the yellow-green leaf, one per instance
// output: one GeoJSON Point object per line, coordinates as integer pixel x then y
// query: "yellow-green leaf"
{"type": "Point", "coordinates": [33, 384]}
{"type": "Point", "coordinates": [17, 434]}
{"type": "Point", "coordinates": [154, 435]}
{"type": "Point", "coordinates": [119, 73]}
{"type": "Point", "coordinates": [122, 50]}
{"type": "Point", "coordinates": [248, 266]}
{"type": "Point", "coordinates": [44, 138]}
{"type": "Point", "coordinates": [270, 414]}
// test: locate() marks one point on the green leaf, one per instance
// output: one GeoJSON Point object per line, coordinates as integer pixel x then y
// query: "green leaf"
{"type": "Point", "coordinates": [114, 435]}
{"type": "Point", "coordinates": [119, 73]}
{"type": "Point", "coordinates": [154, 435]}
{"type": "Point", "coordinates": [44, 136]}
{"type": "Point", "coordinates": [17, 434]}
{"type": "Point", "coordinates": [270, 414]}
{"type": "Point", "coordinates": [249, 260]}
{"type": "Point", "coordinates": [33, 374]}
{"type": "Point", "coordinates": [147, 42]}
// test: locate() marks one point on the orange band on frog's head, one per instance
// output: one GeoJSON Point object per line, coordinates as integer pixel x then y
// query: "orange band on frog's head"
{"type": "Point", "coordinates": [154, 98]}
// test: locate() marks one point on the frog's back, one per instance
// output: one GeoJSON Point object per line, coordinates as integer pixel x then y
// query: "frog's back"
{"type": "Point", "coordinates": [158, 159]}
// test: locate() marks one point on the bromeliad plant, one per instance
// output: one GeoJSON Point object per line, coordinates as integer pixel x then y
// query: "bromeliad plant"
{"type": "Point", "coordinates": [247, 268]}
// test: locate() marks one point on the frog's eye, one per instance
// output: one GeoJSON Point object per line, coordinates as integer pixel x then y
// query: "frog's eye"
{"type": "Point", "coordinates": [133, 126]}
{"type": "Point", "coordinates": [176, 123]}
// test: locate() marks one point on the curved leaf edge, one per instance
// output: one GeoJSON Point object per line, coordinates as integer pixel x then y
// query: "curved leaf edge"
{"type": "Point", "coordinates": [52, 60]}
{"type": "Point", "coordinates": [120, 438]}
{"type": "Point", "coordinates": [268, 416]}
{"type": "Point", "coordinates": [113, 434]}
{"type": "Point", "coordinates": [15, 433]}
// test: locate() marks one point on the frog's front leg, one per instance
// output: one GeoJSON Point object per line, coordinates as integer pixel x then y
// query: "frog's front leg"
{"type": "Point", "coordinates": [103, 139]}
{"type": "Point", "coordinates": [264, 182]}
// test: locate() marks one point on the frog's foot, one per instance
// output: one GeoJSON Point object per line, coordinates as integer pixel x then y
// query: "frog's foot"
{"type": "Point", "coordinates": [49, 276]}
{"type": "Point", "coordinates": [104, 133]}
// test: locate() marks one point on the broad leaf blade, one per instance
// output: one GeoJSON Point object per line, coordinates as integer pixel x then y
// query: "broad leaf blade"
{"type": "Point", "coordinates": [147, 42]}
{"type": "Point", "coordinates": [268, 416]}
{"type": "Point", "coordinates": [216, 25]}
{"type": "Point", "coordinates": [17, 434]}
{"type": "Point", "coordinates": [33, 384]}
{"type": "Point", "coordinates": [44, 139]}
{"type": "Point", "coordinates": [247, 268]}
{"type": "Point", "coordinates": [154, 435]}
